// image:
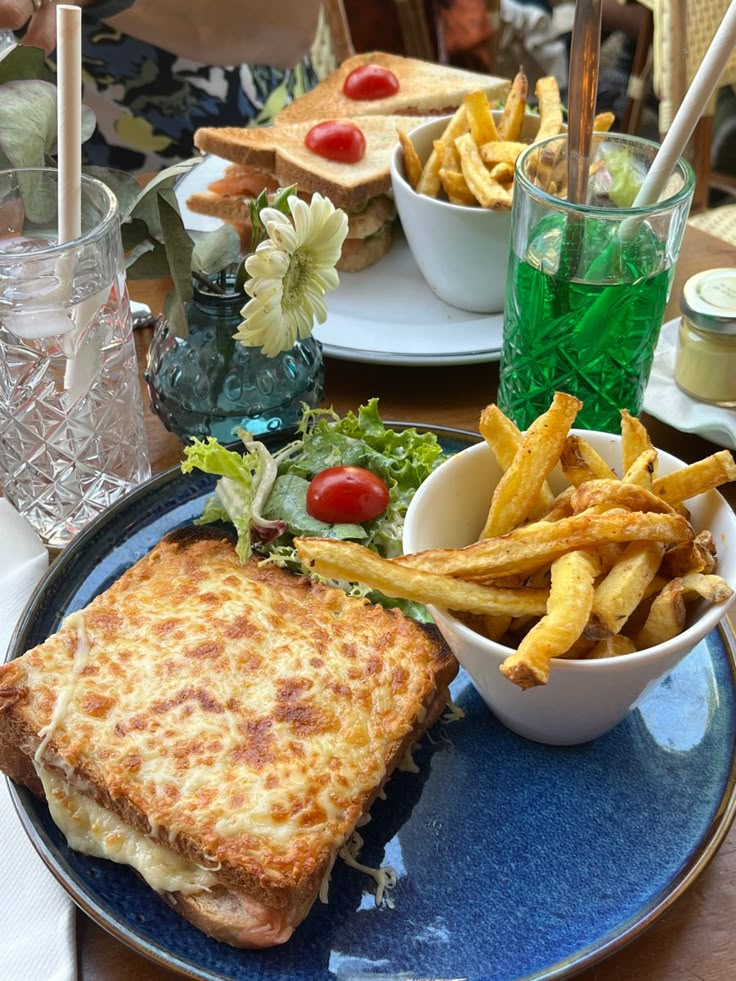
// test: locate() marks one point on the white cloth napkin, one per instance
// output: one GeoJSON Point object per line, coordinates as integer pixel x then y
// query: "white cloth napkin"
{"type": "Point", "coordinates": [37, 918]}
{"type": "Point", "coordinates": [666, 402]}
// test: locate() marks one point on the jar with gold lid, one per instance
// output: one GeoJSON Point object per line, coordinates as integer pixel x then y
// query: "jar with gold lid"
{"type": "Point", "coordinates": [705, 365]}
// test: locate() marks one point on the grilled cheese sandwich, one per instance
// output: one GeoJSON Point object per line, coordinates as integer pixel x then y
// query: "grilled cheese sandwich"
{"type": "Point", "coordinates": [220, 726]}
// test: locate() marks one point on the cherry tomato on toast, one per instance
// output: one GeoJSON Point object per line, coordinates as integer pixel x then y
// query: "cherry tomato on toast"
{"type": "Point", "coordinates": [339, 141]}
{"type": "Point", "coordinates": [370, 82]}
{"type": "Point", "coordinates": [346, 495]}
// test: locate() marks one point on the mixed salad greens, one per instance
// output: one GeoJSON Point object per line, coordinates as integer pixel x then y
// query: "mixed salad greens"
{"type": "Point", "coordinates": [264, 494]}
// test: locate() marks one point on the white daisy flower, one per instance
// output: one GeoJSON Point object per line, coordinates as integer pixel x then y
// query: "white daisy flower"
{"type": "Point", "coordinates": [290, 272]}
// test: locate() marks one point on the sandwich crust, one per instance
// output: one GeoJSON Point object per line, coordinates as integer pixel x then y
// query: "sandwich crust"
{"type": "Point", "coordinates": [242, 717]}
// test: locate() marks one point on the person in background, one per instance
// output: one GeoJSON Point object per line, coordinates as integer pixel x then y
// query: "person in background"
{"type": "Point", "coordinates": [455, 32]}
{"type": "Point", "coordinates": [156, 70]}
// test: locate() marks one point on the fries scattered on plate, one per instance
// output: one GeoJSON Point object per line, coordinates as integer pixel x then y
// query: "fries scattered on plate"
{"type": "Point", "coordinates": [607, 566]}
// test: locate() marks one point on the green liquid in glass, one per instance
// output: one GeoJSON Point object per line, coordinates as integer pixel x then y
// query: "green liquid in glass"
{"type": "Point", "coordinates": [592, 340]}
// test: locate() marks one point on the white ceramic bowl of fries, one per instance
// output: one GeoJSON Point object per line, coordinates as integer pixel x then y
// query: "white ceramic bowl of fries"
{"type": "Point", "coordinates": [584, 696]}
{"type": "Point", "coordinates": [461, 250]}
{"type": "Point", "coordinates": [452, 180]}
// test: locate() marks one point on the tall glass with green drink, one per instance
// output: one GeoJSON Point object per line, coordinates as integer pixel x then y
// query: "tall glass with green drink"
{"type": "Point", "coordinates": [587, 283]}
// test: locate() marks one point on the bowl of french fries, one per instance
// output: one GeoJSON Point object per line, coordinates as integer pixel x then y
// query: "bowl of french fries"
{"type": "Point", "coordinates": [453, 183]}
{"type": "Point", "coordinates": [578, 567]}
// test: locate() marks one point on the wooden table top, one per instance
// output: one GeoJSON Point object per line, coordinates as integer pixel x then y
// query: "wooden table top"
{"type": "Point", "coordinates": [695, 939]}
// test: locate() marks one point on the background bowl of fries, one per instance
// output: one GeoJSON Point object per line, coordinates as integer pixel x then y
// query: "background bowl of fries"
{"type": "Point", "coordinates": [460, 247]}
{"type": "Point", "coordinates": [453, 180]}
{"type": "Point", "coordinates": [661, 579]}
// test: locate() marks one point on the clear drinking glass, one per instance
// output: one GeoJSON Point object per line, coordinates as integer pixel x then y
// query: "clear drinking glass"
{"type": "Point", "coordinates": [72, 436]}
{"type": "Point", "coordinates": [587, 283]}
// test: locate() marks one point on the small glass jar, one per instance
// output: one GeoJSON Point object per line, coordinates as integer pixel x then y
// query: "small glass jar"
{"type": "Point", "coordinates": [705, 366]}
{"type": "Point", "coordinates": [208, 384]}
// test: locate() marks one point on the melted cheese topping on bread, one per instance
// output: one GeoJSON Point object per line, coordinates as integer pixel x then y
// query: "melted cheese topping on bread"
{"type": "Point", "coordinates": [91, 829]}
{"type": "Point", "coordinates": [243, 715]}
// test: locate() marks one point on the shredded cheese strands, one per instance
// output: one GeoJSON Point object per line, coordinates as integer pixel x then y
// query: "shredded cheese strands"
{"type": "Point", "coordinates": [453, 713]}
{"type": "Point", "coordinates": [384, 877]}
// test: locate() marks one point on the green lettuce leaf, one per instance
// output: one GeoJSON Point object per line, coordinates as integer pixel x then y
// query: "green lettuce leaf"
{"type": "Point", "coordinates": [236, 489]}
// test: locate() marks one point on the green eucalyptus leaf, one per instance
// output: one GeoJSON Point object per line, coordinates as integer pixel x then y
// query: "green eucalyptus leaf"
{"type": "Point", "coordinates": [123, 185]}
{"type": "Point", "coordinates": [148, 263]}
{"type": "Point", "coordinates": [28, 132]}
{"type": "Point", "coordinates": [145, 205]}
{"type": "Point", "coordinates": [175, 313]}
{"type": "Point", "coordinates": [216, 250]}
{"type": "Point", "coordinates": [27, 122]}
{"type": "Point", "coordinates": [178, 247]}
{"type": "Point", "coordinates": [134, 233]}
{"type": "Point", "coordinates": [24, 61]}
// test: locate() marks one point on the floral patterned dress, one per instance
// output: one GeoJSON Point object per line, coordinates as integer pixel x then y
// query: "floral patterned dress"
{"type": "Point", "coordinates": [148, 102]}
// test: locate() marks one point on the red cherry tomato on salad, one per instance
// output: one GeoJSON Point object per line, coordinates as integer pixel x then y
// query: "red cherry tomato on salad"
{"type": "Point", "coordinates": [370, 82]}
{"type": "Point", "coordinates": [342, 142]}
{"type": "Point", "coordinates": [346, 495]}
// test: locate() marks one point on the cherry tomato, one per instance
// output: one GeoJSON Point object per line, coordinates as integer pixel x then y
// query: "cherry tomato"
{"type": "Point", "coordinates": [346, 495]}
{"type": "Point", "coordinates": [342, 142]}
{"type": "Point", "coordinates": [370, 82]}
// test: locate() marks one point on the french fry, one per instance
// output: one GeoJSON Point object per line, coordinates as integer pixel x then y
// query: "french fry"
{"type": "Point", "coordinates": [697, 478]}
{"type": "Point", "coordinates": [447, 151]}
{"type": "Point", "coordinates": [532, 546]}
{"type": "Point", "coordinates": [666, 616]}
{"type": "Point", "coordinates": [502, 172]}
{"type": "Point", "coordinates": [490, 193]}
{"type": "Point", "coordinates": [698, 555]}
{"type": "Point", "coordinates": [616, 494]}
{"type": "Point", "coordinates": [512, 117]}
{"type": "Point", "coordinates": [603, 121]}
{"type": "Point", "coordinates": [504, 439]}
{"type": "Point", "coordinates": [641, 470]}
{"type": "Point", "coordinates": [568, 608]}
{"type": "Point", "coordinates": [619, 594]}
{"type": "Point", "coordinates": [456, 187]}
{"type": "Point", "coordinates": [496, 626]}
{"type": "Point", "coordinates": [613, 646]}
{"type": "Point", "coordinates": [412, 163]}
{"type": "Point", "coordinates": [560, 507]}
{"type": "Point", "coordinates": [715, 589]}
{"type": "Point", "coordinates": [499, 151]}
{"type": "Point", "coordinates": [634, 439]}
{"type": "Point", "coordinates": [480, 119]}
{"type": "Point", "coordinates": [429, 182]}
{"type": "Point", "coordinates": [580, 462]}
{"type": "Point", "coordinates": [535, 457]}
{"type": "Point", "coordinates": [550, 107]}
{"type": "Point", "coordinates": [347, 560]}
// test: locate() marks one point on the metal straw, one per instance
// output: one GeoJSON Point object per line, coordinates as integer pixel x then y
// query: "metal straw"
{"type": "Point", "coordinates": [585, 53]}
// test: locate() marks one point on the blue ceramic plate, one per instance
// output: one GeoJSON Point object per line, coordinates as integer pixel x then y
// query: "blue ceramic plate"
{"type": "Point", "coordinates": [515, 860]}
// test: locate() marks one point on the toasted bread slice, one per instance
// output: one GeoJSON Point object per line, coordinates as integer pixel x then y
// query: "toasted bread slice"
{"type": "Point", "coordinates": [425, 88]}
{"type": "Point", "coordinates": [281, 151]}
{"type": "Point", "coordinates": [236, 718]}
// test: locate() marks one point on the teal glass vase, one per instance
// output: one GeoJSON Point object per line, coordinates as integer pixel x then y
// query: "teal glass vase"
{"type": "Point", "coordinates": [208, 384]}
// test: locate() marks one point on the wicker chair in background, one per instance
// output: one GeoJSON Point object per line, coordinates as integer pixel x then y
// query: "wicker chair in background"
{"type": "Point", "coordinates": [681, 31]}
